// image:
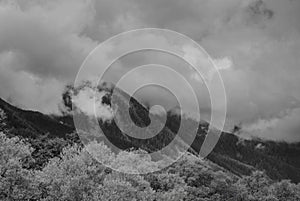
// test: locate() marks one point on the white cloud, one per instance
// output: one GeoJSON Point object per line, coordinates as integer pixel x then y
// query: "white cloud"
{"type": "Point", "coordinates": [223, 63]}
{"type": "Point", "coordinates": [284, 128]}
{"type": "Point", "coordinates": [90, 103]}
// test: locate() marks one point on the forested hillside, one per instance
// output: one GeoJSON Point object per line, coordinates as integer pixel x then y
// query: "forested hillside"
{"type": "Point", "coordinates": [42, 158]}
{"type": "Point", "coordinates": [49, 134]}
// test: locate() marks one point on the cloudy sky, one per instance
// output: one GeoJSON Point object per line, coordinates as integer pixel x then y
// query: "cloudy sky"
{"type": "Point", "coordinates": [255, 43]}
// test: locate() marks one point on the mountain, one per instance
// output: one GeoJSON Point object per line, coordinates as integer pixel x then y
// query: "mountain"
{"type": "Point", "coordinates": [32, 124]}
{"type": "Point", "coordinates": [279, 160]}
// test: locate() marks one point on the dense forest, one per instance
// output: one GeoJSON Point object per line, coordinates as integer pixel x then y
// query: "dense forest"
{"type": "Point", "coordinates": [75, 175]}
{"type": "Point", "coordinates": [62, 169]}
{"type": "Point", "coordinates": [42, 158]}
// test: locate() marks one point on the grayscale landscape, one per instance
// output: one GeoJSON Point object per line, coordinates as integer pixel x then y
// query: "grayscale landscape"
{"type": "Point", "coordinates": [135, 100]}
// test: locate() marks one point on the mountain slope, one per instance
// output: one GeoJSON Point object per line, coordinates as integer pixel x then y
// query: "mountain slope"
{"type": "Point", "coordinates": [241, 157]}
{"type": "Point", "coordinates": [32, 124]}
{"type": "Point", "coordinates": [279, 160]}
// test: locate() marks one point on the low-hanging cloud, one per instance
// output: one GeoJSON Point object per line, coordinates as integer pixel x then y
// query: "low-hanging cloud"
{"type": "Point", "coordinates": [256, 44]}
{"type": "Point", "coordinates": [85, 101]}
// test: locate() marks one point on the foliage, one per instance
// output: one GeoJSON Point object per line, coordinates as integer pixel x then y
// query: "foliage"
{"type": "Point", "coordinates": [76, 175]}
{"type": "Point", "coordinates": [3, 119]}
{"type": "Point", "coordinates": [16, 182]}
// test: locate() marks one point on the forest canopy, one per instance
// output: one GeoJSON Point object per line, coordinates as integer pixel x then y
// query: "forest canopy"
{"type": "Point", "coordinates": [75, 175]}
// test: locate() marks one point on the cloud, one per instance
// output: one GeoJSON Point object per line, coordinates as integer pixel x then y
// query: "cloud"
{"type": "Point", "coordinates": [255, 44]}
{"type": "Point", "coordinates": [277, 127]}
{"type": "Point", "coordinates": [27, 90]}
{"type": "Point", "coordinates": [43, 40]}
{"type": "Point", "coordinates": [91, 105]}
{"type": "Point", "coordinates": [41, 50]}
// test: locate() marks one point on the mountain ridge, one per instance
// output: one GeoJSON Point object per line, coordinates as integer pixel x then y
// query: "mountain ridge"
{"type": "Point", "coordinates": [278, 160]}
{"type": "Point", "coordinates": [32, 122]}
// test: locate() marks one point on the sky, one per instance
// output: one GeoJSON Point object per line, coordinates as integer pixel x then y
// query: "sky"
{"type": "Point", "coordinates": [254, 43]}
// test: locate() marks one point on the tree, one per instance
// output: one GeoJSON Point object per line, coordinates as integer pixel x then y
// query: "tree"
{"type": "Point", "coordinates": [3, 119]}
{"type": "Point", "coordinates": [16, 182]}
{"type": "Point", "coordinates": [285, 190]}
{"type": "Point", "coordinates": [76, 175]}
